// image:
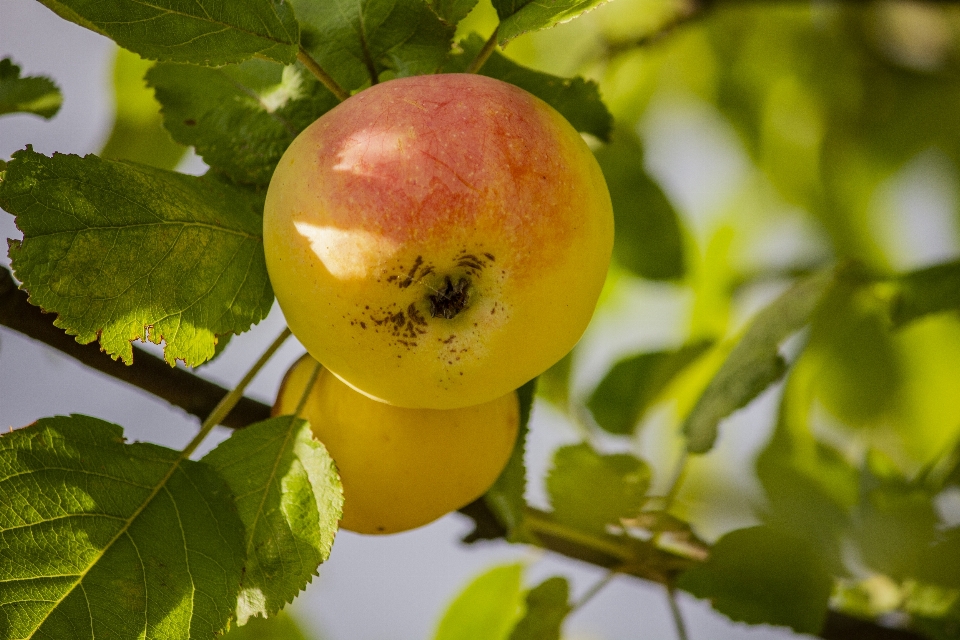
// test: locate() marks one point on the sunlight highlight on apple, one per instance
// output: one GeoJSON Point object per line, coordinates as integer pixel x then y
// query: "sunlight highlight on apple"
{"type": "Point", "coordinates": [346, 253]}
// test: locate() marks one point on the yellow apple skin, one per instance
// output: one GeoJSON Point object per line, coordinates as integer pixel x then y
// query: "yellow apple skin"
{"type": "Point", "coordinates": [437, 241]}
{"type": "Point", "coordinates": [402, 468]}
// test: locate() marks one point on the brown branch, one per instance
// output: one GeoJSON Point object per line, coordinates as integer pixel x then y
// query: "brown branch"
{"type": "Point", "coordinates": [198, 397]}
{"type": "Point", "coordinates": [180, 388]}
{"type": "Point", "coordinates": [694, 11]}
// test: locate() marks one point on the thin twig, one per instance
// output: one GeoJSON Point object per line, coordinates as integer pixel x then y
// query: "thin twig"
{"type": "Point", "coordinates": [485, 53]}
{"type": "Point", "coordinates": [677, 615]}
{"type": "Point", "coordinates": [325, 78]}
{"type": "Point", "coordinates": [678, 476]}
{"type": "Point", "coordinates": [195, 394]}
{"type": "Point", "coordinates": [226, 405]}
{"type": "Point", "coordinates": [693, 12]}
{"type": "Point", "coordinates": [149, 373]}
{"type": "Point", "coordinates": [539, 524]}
{"type": "Point", "coordinates": [594, 590]}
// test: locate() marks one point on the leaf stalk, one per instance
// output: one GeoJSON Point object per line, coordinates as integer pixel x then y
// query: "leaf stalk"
{"type": "Point", "coordinates": [325, 78]}
{"type": "Point", "coordinates": [231, 399]}
{"type": "Point", "coordinates": [485, 52]}
{"type": "Point", "coordinates": [677, 615]}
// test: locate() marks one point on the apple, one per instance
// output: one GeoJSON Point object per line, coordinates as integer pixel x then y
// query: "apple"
{"type": "Point", "coordinates": [402, 468]}
{"type": "Point", "coordinates": [437, 241]}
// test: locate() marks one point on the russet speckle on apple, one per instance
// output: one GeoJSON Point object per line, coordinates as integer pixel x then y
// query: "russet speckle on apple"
{"type": "Point", "coordinates": [437, 241]}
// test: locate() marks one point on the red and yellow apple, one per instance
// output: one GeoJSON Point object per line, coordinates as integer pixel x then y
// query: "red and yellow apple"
{"type": "Point", "coordinates": [437, 241]}
{"type": "Point", "coordinates": [402, 468]}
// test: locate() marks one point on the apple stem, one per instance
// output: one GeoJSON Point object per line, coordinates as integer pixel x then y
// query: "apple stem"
{"type": "Point", "coordinates": [485, 53]}
{"type": "Point", "coordinates": [227, 403]}
{"type": "Point", "coordinates": [325, 78]}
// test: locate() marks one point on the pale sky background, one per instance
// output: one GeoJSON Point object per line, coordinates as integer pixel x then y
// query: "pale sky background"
{"type": "Point", "coordinates": [373, 588]}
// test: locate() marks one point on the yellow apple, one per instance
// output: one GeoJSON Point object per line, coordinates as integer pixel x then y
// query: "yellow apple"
{"type": "Point", "coordinates": [437, 241]}
{"type": "Point", "coordinates": [402, 468]}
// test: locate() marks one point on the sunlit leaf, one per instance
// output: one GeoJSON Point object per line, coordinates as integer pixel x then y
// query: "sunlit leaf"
{"type": "Point", "coordinates": [123, 252]}
{"type": "Point", "coordinates": [202, 32]}
{"type": "Point", "coordinates": [755, 362]}
{"type": "Point", "coordinates": [589, 490]}
{"type": "Point", "coordinates": [102, 539]}
{"type": "Point", "coordinates": [29, 94]}
{"type": "Point", "coordinates": [290, 499]}
{"type": "Point", "coordinates": [487, 608]}
{"type": "Point", "coordinates": [518, 17]}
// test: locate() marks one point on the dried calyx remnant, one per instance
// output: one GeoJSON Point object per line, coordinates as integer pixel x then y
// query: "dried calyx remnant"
{"type": "Point", "coordinates": [450, 299]}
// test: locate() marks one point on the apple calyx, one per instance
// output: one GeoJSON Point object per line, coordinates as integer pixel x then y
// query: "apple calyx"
{"type": "Point", "coordinates": [451, 299]}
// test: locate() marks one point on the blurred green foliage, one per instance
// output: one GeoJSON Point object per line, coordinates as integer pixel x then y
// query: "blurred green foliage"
{"type": "Point", "coordinates": [823, 111]}
{"type": "Point", "coordinates": [138, 133]}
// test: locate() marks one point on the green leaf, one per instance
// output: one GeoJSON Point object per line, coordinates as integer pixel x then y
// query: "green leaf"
{"type": "Point", "coordinates": [811, 488]}
{"type": "Point", "coordinates": [138, 134]}
{"type": "Point", "coordinates": [860, 372]}
{"type": "Point", "coordinates": [547, 607]}
{"type": "Point", "coordinates": [125, 252]}
{"type": "Point", "coordinates": [505, 497]}
{"type": "Point", "coordinates": [895, 521]}
{"type": "Point", "coordinates": [290, 500]}
{"type": "Point", "coordinates": [518, 17]}
{"type": "Point", "coordinates": [102, 539]}
{"type": "Point", "coordinates": [239, 118]}
{"type": "Point", "coordinates": [754, 363]}
{"type": "Point", "coordinates": [590, 490]}
{"type": "Point", "coordinates": [202, 32]}
{"type": "Point", "coordinates": [762, 575]}
{"type": "Point", "coordinates": [632, 385]}
{"type": "Point", "coordinates": [30, 94]}
{"type": "Point", "coordinates": [648, 240]}
{"type": "Point", "coordinates": [576, 99]}
{"type": "Point", "coordinates": [506, 8]}
{"type": "Point", "coordinates": [487, 608]}
{"type": "Point", "coordinates": [930, 290]}
{"type": "Point", "coordinates": [279, 627]}
{"type": "Point", "coordinates": [939, 563]}
{"type": "Point", "coordinates": [357, 40]}
{"type": "Point", "coordinates": [453, 11]}
{"type": "Point", "coordinates": [945, 626]}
